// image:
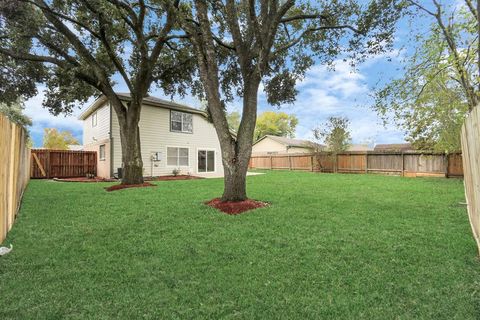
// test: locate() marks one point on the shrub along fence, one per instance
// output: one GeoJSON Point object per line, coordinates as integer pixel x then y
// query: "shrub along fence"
{"type": "Point", "coordinates": [14, 172]}
{"type": "Point", "coordinates": [411, 164]}
{"type": "Point", "coordinates": [471, 163]}
{"type": "Point", "coordinates": [46, 163]}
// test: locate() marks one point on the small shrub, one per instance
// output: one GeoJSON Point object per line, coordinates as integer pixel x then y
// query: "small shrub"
{"type": "Point", "coordinates": [176, 172]}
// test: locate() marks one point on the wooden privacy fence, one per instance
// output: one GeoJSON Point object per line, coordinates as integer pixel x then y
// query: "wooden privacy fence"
{"type": "Point", "coordinates": [14, 172]}
{"type": "Point", "coordinates": [46, 164]}
{"type": "Point", "coordinates": [406, 164]}
{"type": "Point", "coordinates": [471, 164]}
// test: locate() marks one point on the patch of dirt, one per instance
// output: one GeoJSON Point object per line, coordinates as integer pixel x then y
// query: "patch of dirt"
{"type": "Point", "coordinates": [235, 207]}
{"type": "Point", "coordinates": [84, 179]}
{"type": "Point", "coordinates": [126, 186]}
{"type": "Point", "coordinates": [168, 178]}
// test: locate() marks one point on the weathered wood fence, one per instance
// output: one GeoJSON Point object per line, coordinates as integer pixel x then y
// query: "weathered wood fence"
{"type": "Point", "coordinates": [471, 163]}
{"type": "Point", "coordinates": [46, 164]}
{"type": "Point", "coordinates": [406, 164]}
{"type": "Point", "coordinates": [14, 172]}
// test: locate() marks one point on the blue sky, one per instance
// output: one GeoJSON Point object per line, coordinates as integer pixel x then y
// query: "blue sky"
{"type": "Point", "coordinates": [323, 93]}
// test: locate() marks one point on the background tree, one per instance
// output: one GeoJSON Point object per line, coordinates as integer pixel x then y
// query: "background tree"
{"type": "Point", "coordinates": [14, 112]}
{"type": "Point", "coordinates": [59, 140]}
{"type": "Point", "coordinates": [239, 44]}
{"type": "Point", "coordinates": [335, 133]}
{"type": "Point", "coordinates": [76, 47]}
{"type": "Point", "coordinates": [276, 124]}
{"type": "Point", "coordinates": [440, 81]}
{"type": "Point", "coordinates": [233, 119]}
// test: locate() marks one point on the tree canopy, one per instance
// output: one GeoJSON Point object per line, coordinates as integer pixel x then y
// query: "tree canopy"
{"type": "Point", "coordinates": [240, 44]}
{"type": "Point", "coordinates": [440, 81]}
{"type": "Point", "coordinates": [275, 123]}
{"type": "Point", "coordinates": [58, 140]}
{"type": "Point", "coordinates": [14, 112]}
{"type": "Point", "coordinates": [335, 133]}
{"type": "Point", "coordinates": [79, 48]}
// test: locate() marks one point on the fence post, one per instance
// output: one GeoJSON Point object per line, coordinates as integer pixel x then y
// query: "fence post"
{"type": "Point", "coordinates": [289, 162]}
{"type": "Point", "coordinates": [335, 160]}
{"type": "Point", "coordinates": [403, 164]}
{"type": "Point", "coordinates": [366, 163]}
{"type": "Point", "coordinates": [311, 162]}
{"type": "Point", "coordinates": [446, 158]}
{"type": "Point", "coordinates": [271, 163]}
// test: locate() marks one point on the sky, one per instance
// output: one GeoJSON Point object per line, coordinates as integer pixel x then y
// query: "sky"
{"type": "Point", "coordinates": [321, 94]}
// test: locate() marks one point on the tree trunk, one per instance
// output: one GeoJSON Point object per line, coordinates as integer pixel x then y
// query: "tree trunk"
{"type": "Point", "coordinates": [132, 163]}
{"type": "Point", "coordinates": [235, 181]}
{"type": "Point", "coordinates": [236, 159]}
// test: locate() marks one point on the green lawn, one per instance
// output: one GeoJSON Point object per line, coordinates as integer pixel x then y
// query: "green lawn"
{"type": "Point", "coordinates": [329, 246]}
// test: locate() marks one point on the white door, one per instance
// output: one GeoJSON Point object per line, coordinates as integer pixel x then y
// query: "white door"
{"type": "Point", "coordinates": [206, 161]}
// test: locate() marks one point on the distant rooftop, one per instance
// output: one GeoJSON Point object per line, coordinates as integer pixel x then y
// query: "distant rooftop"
{"type": "Point", "coordinates": [290, 142]}
{"type": "Point", "coordinates": [394, 147]}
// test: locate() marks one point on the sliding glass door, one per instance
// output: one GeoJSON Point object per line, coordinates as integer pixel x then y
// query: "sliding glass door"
{"type": "Point", "coordinates": [206, 161]}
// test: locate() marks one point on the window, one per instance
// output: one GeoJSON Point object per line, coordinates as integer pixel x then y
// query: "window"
{"type": "Point", "coordinates": [177, 157]}
{"type": "Point", "coordinates": [101, 152]}
{"type": "Point", "coordinates": [181, 122]}
{"type": "Point", "coordinates": [206, 161]}
{"type": "Point", "coordinates": [94, 119]}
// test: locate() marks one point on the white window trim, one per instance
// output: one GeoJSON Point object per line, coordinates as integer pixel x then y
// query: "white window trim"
{"type": "Point", "coordinates": [180, 131]}
{"type": "Point", "coordinates": [177, 166]}
{"type": "Point", "coordinates": [104, 152]}
{"type": "Point", "coordinates": [214, 160]}
{"type": "Point", "coordinates": [94, 116]}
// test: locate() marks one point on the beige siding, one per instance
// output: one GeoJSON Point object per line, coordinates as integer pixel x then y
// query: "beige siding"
{"type": "Point", "coordinates": [94, 134]}
{"type": "Point", "coordinates": [268, 145]}
{"type": "Point", "coordinates": [155, 136]}
{"type": "Point", "coordinates": [299, 150]}
{"type": "Point", "coordinates": [103, 166]}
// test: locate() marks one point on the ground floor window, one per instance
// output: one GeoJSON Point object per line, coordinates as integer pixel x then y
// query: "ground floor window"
{"type": "Point", "coordinates": [177, 156]}
{"type": "Point", "coordinates": [101, 152]}
{"type": "Point", "coordinates": [206, 161]}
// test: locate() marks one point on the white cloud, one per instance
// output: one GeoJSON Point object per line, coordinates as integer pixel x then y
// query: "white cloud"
{"type": "Point", "coordinates": [42, 118]}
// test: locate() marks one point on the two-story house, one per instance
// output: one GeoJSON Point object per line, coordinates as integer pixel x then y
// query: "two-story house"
{"type": "Point", "coordinates": [173, 136]}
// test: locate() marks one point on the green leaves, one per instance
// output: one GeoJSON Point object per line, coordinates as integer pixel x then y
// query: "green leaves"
{"type": "Point", "coordinates": [275, 123]}
{"type": "Point", "coordinates": [335, 133]}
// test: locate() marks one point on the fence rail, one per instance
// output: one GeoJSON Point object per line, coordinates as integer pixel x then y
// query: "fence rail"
{"type": "Point", "coordinates": [14, 172]}
{"type": "Point", "coordinates": [46, 164]}
{"type": "Point", "coordinates": [406, 164]}
{"type": "Point", "coordinates": [471, 163]}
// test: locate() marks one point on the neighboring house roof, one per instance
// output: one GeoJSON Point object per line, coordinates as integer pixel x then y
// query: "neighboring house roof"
{"type": "Point", "coordinates": [152, 101]}
{"type": "Point", "coordinates": [289, 142]}
{"type": "Point", "coordinates": [394, 147]}
{"type": "Point", "coordinates": [75, 147]}
{"type": "Point", "coordinates": [359, 147]}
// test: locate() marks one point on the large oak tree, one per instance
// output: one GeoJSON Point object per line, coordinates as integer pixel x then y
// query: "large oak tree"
{"type": "Point", "coordinates": [239, 44]}
{"type": "Point", "coordinates": [77, 47]}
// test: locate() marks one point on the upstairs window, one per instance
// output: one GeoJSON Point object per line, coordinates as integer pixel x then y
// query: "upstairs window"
{"type": "Point", "coordinates": [181, 122]}
{"type": "Point", "coordinates": [94, 119]}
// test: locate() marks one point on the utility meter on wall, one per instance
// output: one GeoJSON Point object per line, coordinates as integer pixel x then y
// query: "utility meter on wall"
{"type": "Point", "coordinates": [157, 156]}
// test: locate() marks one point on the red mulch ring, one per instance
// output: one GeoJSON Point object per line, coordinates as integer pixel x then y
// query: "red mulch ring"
{"type": "Point", "coordinates": [126, 186]}
{"type": "Point", "coordinates": [168, 178]}
{"type": "Point", "coordinates": [235, 207]}
{"type": "Point", "coordinates": [84, 179]}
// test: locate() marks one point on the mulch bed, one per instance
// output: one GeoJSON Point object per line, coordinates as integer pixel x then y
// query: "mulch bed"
{"type": "Point", "coordinates": [84, 179]}
{"type": "Point", "coordinates": [235, 207]}
{"type": "Point", "coordinates": [168, 178]}
{"type": "Point", "coordinates": [126, 186]}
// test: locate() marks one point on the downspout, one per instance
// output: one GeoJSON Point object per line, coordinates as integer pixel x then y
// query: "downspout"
{"type": "Point", "coordinates": [111, 140]}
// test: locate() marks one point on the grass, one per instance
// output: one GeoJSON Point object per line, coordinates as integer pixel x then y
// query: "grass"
{"type": "Point", "coordinates": [329, 246]}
